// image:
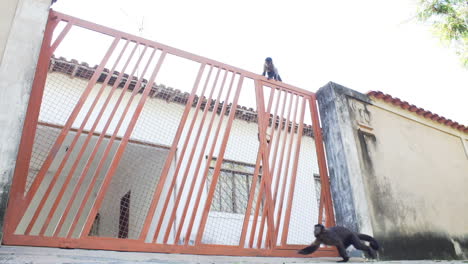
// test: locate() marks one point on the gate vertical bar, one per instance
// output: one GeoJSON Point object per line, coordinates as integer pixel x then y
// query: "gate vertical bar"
{"type": "Point", "coordinates": [288, 160]}
{"type": "Point", "coordinates": [109, 96]}
{"type": "Point", "coordinates": [292, 184]}
{"type": "Point", "coordinates": [330, 221]}
{"type": "Point", "coordinates": [189, 163]}
{"type": "Point", "coordinates": [272, 167]}
{"type": "Point", "coordinates": [58, 142]}
{"type": "Point", "coordinates": [170, 156]}
{"type": "Point", "coordinates": [257, 169]}
{"type": "Point", "coordinates": [198, 163]}
{"type": "Point", "coordinates": [182, 154]}
{"type": "Point", "coordinates": [60, 37]}
{"type": "Point", "coordinates": [96, 147]}
{"type": "Point", "coordinates": [120, 151]}
{"type": "Point", "coordinates": [275, 152]}
{"type": "Point", "coordinates": [81, 178]}
{"type": "Point", "coordinates": [280, 161]}
{"type": "Point", "coordinates": [67, 155]}
{"type": "Point", "coordinates": [113, 112]}
{"type": "Point", "coordinates": [210, 156]}
{"type": "Point", "coordinates": [219, 161]}
{"type": "Point", "coordinates": [265, 158]}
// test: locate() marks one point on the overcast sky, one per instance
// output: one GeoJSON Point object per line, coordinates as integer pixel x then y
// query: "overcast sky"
{"type": "Point", "coordinates": [364, 45]}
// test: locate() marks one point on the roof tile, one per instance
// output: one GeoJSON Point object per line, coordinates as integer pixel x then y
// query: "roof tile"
{"type": "Point", "coordinates": [161, 91]}
{"type": "Point", "coordinates": [418, 110]}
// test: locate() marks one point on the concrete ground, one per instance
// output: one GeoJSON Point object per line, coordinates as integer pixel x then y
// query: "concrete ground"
{"type": "Point", "coordinates": [39, 255]}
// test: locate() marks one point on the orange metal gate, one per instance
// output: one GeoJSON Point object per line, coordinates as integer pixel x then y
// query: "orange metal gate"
{"type": "Point", "coordinates": [112, 159]}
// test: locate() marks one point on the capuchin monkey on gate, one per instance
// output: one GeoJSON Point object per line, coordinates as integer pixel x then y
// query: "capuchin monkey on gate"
{"type": "Point", "coordinates": [342, 238]}
{"type": "Point", "coordinates": [270, 70]}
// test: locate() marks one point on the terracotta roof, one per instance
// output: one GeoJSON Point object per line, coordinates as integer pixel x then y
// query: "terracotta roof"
{"type": "Point", "coordinates": [418, 110]}
{"type": "Point", "coordinates": [85, 71]}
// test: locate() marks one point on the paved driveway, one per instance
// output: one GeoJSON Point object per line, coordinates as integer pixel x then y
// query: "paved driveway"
{"type": "Point", "coordinates": [39, 255]}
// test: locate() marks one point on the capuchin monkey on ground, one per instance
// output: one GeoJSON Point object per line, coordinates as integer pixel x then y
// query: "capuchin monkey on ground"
{"type": "Point", "coordinates": [342, 238]}
{"type": "Point", "coordinates": [270, 70]}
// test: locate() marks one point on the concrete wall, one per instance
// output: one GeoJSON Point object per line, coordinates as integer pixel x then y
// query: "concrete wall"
{"type": "Point", "coordinates": [413, 172]}
{"type": "Point", "coordinates": [22, 24]}
{"type": "Point", "coordinates": [347, 188]}
{"type": "Point", "coordinates": [7, 13]}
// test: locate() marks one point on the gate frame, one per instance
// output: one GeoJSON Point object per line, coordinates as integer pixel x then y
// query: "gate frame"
{"type": "Point", "coordinates": [18, 202]}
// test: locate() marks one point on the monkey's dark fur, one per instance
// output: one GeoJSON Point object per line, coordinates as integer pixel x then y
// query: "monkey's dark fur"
{"type": "Point", "coordinates": [342, 238]}
{"type": "Point", "coordinates": [270, 70]}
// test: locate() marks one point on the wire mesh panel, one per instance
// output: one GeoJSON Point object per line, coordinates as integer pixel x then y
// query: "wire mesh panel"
{"type": "Point", "coordinates": [61, 94]}
{"type": "Point", "coordinates": [157, 149]}
{"type": "Point", "coordinates": [238, 171]}
{"type": "Point", "coordinates": [43, 142]}
{"type": "Point", "coordinates": [124, 208]}
{"type": "Point", "coordinates": [306, 197]}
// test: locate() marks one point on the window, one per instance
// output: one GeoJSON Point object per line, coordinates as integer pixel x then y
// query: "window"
{"type": "Point", "coordinates": [318, 188]}
{"type": "Point", "coordinates": [95, 227]}
{"type": "Point", "coordinates": [318, 193]}
{"type": "Point", "coordinates": [233, 187]}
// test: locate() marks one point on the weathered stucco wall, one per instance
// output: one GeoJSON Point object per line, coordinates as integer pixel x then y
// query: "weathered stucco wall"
{"type": "Point", "coordinates": [7, 13]}
{"type": "Point", "coordinates": [25, 20]}
{"type": "Point", "coordinates": [416, 178]}
{"type": "Point", "coordinates": [414, 172]}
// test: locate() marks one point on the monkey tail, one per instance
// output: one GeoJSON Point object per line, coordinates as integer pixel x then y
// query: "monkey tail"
{"type": "Point", "coordinates": [373, 243]}
{"type": "Point", "coordinates": [308, 250]}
